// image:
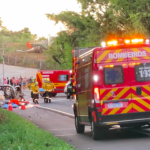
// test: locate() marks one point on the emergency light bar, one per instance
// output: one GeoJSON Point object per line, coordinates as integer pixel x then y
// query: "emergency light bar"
{"type": "Point", "coordinates": [115, 42]}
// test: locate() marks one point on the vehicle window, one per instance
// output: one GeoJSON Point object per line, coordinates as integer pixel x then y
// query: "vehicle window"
{"type": "Point", "coordinates": [113, 75]}
{"type": "Point", "coordinates": [142, 72]}
{"type": "Point", "coordinates": [63, 77]}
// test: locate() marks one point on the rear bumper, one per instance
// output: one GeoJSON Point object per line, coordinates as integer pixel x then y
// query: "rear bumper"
{"type": "Point", "coordinates": [125, 119]}
{"type": "Point", "coordinates": [126, 122]}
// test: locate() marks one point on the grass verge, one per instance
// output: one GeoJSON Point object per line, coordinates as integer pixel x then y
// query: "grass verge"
{"type": "Point", "coordinates": [18, 134]}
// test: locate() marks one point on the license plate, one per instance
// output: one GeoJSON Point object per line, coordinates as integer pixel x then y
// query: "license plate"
{"type": "Point", "coordinates": [115, 105]}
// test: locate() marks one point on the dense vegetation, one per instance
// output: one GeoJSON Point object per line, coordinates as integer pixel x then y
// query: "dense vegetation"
{"type": "Point", "coordinates": [99, 20]}
{"type": "Point", "coordinates": [18, 134]}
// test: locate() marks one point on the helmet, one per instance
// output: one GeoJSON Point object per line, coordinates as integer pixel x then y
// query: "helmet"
{"type": "Point", "coordinates": [36, 83]}
{"type": "Point", "coordinates": [33, 79]}
{"type": "Point", "coordinates": [48, 79]}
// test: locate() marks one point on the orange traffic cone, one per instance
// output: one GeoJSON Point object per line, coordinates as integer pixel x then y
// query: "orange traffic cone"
{"type": "Point", "coordinates": [10, 107]}
{"type": "Point", "coordinates": [23, 106]}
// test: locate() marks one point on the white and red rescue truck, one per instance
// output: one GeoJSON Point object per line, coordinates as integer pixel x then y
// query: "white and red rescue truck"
{"type": "Point", "coordinates": [58, 77]}
{"type": "Point", "coordinates": [112, 85]}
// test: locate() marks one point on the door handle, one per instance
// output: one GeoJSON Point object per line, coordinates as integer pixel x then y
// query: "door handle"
{"type": "Point", "coordinates": [138, 91]}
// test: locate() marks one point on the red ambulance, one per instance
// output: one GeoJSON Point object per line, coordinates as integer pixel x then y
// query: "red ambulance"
{"type": "Point", "coordinates": [58, 77]}
{"type": "Point", "coordinates": [112, 85]}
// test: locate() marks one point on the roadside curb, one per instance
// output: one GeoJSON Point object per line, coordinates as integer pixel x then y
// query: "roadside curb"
{"type": "Point", "coordinates": [56, 111]}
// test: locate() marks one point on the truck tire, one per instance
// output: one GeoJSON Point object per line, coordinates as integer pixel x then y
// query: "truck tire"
{"type": "Point", "coordinates": [97, 133]}
{"type": "Point", "coordinates": [79, 128]}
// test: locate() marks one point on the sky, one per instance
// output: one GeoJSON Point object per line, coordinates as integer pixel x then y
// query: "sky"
{"type": "Point", "coordinates": [18, 14]}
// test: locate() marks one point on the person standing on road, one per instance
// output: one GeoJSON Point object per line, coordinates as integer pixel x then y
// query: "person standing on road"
{"type": "Point", "coordinates": [17, 81]}
{"type": "Point", "coordinates": [11, 82]}
{"type": "Point", "coordinates": [7, 80]}
{"type": "Point", "coordinates": [49, 88]}
{"type": "Point", "coordinates": [36, 93]}
{"type": "Point", "coordinates": [32, 84]}
{"type": "Point", "coordinates": [44, 87]}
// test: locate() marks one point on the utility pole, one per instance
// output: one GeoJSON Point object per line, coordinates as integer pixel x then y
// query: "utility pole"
{"type": "Point", "coordinates": [3, 63]}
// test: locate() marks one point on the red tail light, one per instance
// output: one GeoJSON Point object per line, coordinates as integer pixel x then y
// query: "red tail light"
{"type": "Point", "coordinates": [97, 97]}
{"type": "Point", "coordinates": [96, 93]}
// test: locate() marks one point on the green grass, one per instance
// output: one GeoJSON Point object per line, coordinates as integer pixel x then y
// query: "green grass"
{"type": "Point", "coordinates": [18, 134]}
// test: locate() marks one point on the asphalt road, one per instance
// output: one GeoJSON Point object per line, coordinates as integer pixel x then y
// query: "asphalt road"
{"type": "Point", "coordinates": [59, 102]}
{"type": "Point", "coordinates": [63, 127]}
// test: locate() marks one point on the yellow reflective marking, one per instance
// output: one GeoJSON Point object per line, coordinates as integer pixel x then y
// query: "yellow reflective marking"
{"type": "Point", "coordinates": [135, 50]}
{"type": "Point", "coordinates": [145, 94]}
{"type": "Point", "coordinates": [127, 109]}
{"type": "Point", "coordinates": [59, 84]}
{"type": "Point", "coordinates": [102, 91]}
{"type": "Point", "coordinates": [110, 123]}
{"type": "Point", "coordinates": [117, 51]}
{"type": "Point", "coordinates": [148, 50]}
{"type": "Point", "coordinates": [102, 56]}
{"type": "Point", "coordinates": [109, 94]}
{"type": "Point", "coordinates": [134, 88]}
{"type": "Point", "coordinates": [114, 111]}
{"type": "Point", "coordinates": [147, 87]}
{"type": "Point", "coordinates": [121, 93]}
{"type": "Point", "coordinates": [139, 109]}
{"type": "Point", "coordinates": [142, 102]}
{"type": "Point", "coordinates": [104, 110]}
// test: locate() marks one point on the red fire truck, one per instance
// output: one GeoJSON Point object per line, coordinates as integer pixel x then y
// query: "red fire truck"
{"type": "Point", "coordinates": [112, 85]}
{"type": "Point", "coordinates": [58, 77]}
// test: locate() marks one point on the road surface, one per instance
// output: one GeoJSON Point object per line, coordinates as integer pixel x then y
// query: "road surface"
{"type": "Point", "coordinates": [63, 127]}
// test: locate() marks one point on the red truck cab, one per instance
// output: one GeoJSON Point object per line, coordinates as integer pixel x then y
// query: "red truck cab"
{"type": "Point", "coordinates": [113, 86]}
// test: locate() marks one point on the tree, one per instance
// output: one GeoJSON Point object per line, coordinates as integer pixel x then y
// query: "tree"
{"type": "Point", "coordinates": [99, 20]}
{"type": "Point", "coordinates": [3, 41]}
{"type": "Point", "coordinates": [42, 38]}
{"type": "Point", "coordinates": [2, 27]}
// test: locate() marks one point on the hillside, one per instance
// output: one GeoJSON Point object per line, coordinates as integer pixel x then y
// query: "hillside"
{"type": "Point", "coordinates": [32, 60]}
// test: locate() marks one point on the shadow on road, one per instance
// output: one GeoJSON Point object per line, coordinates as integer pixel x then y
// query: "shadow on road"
{"type": "Point", "coordinates": [121, 134]}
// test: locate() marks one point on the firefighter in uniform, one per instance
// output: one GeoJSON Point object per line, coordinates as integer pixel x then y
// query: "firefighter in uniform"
{"type": "Point", "coordinates": [44, 87]}
{"type": "Point", "coordinates": [36, 93]}
{"type": "Point", "coordinates": [31, 87]}
{"type": "Point", "coordinates": [49, 88]}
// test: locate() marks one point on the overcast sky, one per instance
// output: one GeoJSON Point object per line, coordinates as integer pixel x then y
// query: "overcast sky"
{"type": "Point", "coordinates": [18, 14]}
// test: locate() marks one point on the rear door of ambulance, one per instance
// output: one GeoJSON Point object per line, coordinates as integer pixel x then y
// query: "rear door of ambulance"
{"type": "Point", "coordinates": [139, 67]}
{"type": "Point", "coordinates": [114, 84]}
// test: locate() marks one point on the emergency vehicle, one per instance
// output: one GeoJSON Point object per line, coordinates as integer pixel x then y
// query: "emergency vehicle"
{"type": "Point", "coordinates": [112, 85]}
{"type": "Point", "coordinates": [58, 77]}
